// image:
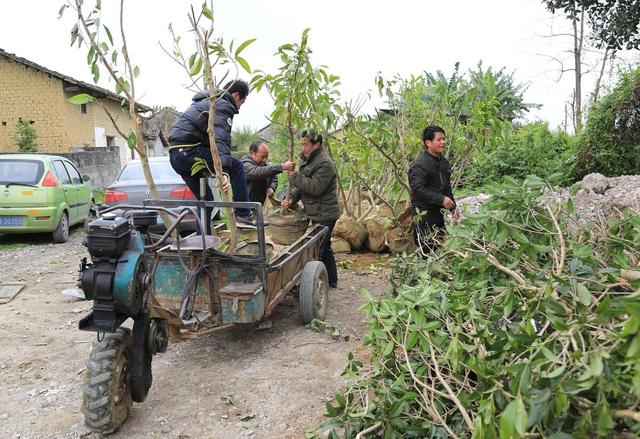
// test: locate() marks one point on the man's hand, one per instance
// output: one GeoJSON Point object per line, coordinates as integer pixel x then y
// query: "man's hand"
{"type": "Point", "coordinates": [457, 215]}
{"type": "Point", "coordinates": [288, 166]}
{"type": "Point", "coordinates": [225, 184]}
{"type": "Point", "coordinates": [448, 203]}
{"type": "Point", "coordinates": [270, 193]}
{"type": "Point", "coordinates": [286, 203]}
{"type": "Point", "coordinates": [292, 173]}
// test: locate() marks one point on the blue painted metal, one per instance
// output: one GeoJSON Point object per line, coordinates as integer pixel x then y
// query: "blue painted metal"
{"type": "Point", "coordinates": [126, 297]}
{"type": "Point", "coordinates": [170, 281]}
{"type": "Point", "coordinates": [243, 308]}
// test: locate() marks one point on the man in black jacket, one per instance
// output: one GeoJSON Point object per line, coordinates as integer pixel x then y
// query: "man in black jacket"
{"type": "Point", "coordinates": [430, 183]}
{"type": "Point", "coordinates": [189, 140]}
{"type": "Point", "coordinates": [262, 178]}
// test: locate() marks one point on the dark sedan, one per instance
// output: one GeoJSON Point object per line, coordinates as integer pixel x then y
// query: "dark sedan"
{"type": "Point", "coordinates": [131, 188]}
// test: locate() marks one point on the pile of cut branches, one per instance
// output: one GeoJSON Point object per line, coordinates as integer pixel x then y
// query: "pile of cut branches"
{"type": "Point", "coordinates": [512, 329]}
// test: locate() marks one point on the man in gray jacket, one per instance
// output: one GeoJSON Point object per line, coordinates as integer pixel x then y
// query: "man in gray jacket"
{"type": "Point", "coordinates": [262, 178]}
{"type": "Point", "coordinates": [316, 185]}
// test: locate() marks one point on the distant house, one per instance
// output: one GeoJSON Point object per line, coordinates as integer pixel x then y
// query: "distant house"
{"type": "Point", "coordinates": [31, 92]}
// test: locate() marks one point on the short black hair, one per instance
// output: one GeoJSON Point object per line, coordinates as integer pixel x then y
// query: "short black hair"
{"type": "Point", "coordinates": [430, 132]}
{"type": "Point", "coordinates": [255, 145]}
{"type": "Point", "coordinates": [237, 86]}
{"type": "Point", "coordinates": [312, 136]}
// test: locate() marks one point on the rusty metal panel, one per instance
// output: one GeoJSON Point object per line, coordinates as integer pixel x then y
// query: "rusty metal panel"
{"type": "Point", "coordinates": [170, 280]}
{"type": "Point", "coordinates": [243, 308]}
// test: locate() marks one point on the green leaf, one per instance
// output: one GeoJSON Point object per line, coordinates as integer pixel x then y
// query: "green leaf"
{"type": "Point", "coordinates": [596, 366]}
{"type": "Point", "coordinates": [136, 72]}
{"type": "Point", "coordinates": [95, 71]}
{"type": "Point", "coordinates": [634, 347]}
{"type": "Point", "coordinates": [61, 10]}
{"type": "Point", "coordinates": [388, 348]}
{"type": "Point", "coordinates": [570, 206]}
{"type": "Point", "coordinates": [519, 236]}
{"type": "Point", "coordinates": [104, 47]}
{"type": "Point", "coordinates": [207, 12]}
{"type": "Point", "coordinates": [243, 63]}
{"type": "Point", "coordinates": [513, 420]}
{"type": "Point", "coordinates": [560, 435]}
{"type": "Point", "coordinates": [584, 295]}
{"type": "Point", "coordinates": [91, 54]}
{"type": "Point", "coordinates": [108, 32]}
{"type": "Point", "coordinates": [605, 421]}
{"type": "Point", "coordinates": [79, 99]}
{"type": "Point", "coordinates": [243, 46]}
{"type": "Point", "coordinates": [197, 66]}
{"type": "Point", "coordinates": [132, 139]}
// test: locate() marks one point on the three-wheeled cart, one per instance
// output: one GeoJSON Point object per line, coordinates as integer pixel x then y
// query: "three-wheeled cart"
{"type": "Point", "coordinates": [177, 290]}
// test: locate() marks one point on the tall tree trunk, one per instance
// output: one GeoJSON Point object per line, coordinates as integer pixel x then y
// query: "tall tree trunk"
{"type": "Point", "coordinates": [578, 39]}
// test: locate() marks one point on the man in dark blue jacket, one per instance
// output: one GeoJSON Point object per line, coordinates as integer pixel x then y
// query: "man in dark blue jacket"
{"type": "Point", "coordinates": [189, 140]}
{"type": "Point", "coordinates": [430, 183]}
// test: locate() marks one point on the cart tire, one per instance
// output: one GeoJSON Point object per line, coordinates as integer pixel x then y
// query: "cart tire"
{"type": "Point", "coordinates": [107, 388]}
{"type": "Point", "coordinates": [314, 291]}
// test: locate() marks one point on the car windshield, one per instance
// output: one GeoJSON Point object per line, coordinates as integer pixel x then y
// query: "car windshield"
{"type": "Point", "coordinates": [159, 171]}
{"type": "Point", "coordinates": [20, 171]}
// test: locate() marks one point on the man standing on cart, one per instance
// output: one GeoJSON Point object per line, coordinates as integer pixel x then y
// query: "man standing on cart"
{"type": "Point", "coordinates": [189, 140]}
{"type": "Point", "coordinates": [316, 185]}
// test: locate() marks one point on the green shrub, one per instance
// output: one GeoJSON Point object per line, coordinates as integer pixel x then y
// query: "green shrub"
{"type": "Point", "coordinates": [25, 137]}
{"type": "Point", "coordinates": [512, 328]}
{"type": "Point", "coordinates": [610, 143]}
{"type": "Point", "coordinates": [532, 149]}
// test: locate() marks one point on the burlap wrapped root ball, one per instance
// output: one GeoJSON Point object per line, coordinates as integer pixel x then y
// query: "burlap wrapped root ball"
{"type": "Point", "coordinates": [351, 231]}
{"type": "Point", "coordinates": [376, 241]}
{"type": "Point", "coordinates": [339, 245]}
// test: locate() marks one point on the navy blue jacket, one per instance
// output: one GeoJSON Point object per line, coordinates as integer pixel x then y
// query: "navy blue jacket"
{"type": "Point", "coordinates": [191, 126]}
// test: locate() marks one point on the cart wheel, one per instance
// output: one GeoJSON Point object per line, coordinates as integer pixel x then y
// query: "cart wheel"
{"type": "Point", "coordinates": [106, 390]}
{"type": "Point", "coordinates": [314, 291]}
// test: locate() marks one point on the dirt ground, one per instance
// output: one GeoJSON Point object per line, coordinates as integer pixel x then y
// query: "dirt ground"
{"type": "Point", "coordinates": [270, 383]}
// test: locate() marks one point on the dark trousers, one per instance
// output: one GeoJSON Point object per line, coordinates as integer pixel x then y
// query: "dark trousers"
{"type": "Point", "coordinates": [428, 229]}
{"type": "Point", "coordinates": [183, 159]}
{"type": "Point", "coordinates": [326, 252]}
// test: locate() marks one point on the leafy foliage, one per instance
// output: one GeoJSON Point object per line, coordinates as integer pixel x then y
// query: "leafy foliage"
{"type": "Point", "coordinates": [531, 149]}
{"type": "Point", "coordinates": [243, 137]}
{"type": "Point", "coordinates": [512, 327]}
{"type": "Point", "coordinates": [476, 110]}
{"type": "Point", "coordinates": [611, 141]}
{"type": "Point", "coordinates": [304, 95]}
{"type": "Point", "coordinates": [25, 136]}
{"type": "Point", "coordinates": [615, 24]}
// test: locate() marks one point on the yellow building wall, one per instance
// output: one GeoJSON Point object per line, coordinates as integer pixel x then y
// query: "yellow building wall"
{"type": "Point", "coordinates": [35, 96]}
{"type": "Point", "coordinates": [80, 127]}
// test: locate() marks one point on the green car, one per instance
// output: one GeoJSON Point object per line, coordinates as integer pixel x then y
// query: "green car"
{"type": "Point", "coordinates": [41, 193]}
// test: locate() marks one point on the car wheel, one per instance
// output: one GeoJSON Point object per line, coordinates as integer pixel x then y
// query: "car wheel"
{"type": "Point", "coordinates": [61, 233]}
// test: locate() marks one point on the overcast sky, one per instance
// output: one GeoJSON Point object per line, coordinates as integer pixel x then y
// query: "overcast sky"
{"type": "Point", "coordinates": [355, 39]}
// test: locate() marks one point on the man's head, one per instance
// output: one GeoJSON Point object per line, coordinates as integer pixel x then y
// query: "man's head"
{"type": "Point", "coordinates": [259, 152]}
{"type": "Point", "coordinates": [433, 138]}
{"type": "Point", "coordinates": [238, 90]}
{"type": "Point", "coordinates": [310, 141]}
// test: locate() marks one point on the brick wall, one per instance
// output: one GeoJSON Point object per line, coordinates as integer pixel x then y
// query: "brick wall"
{"type": "Point", "coordinates": [36, 96]}
{"type": "Point", "coordinates": [102, 165]}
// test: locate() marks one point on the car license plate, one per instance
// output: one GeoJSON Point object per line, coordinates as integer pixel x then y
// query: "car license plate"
{"type": "Point", "coordinates": [11, 220]}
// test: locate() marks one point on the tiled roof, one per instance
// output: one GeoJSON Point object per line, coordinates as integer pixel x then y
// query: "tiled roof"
{"type": "Point", "coordinates": [94, 90]}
